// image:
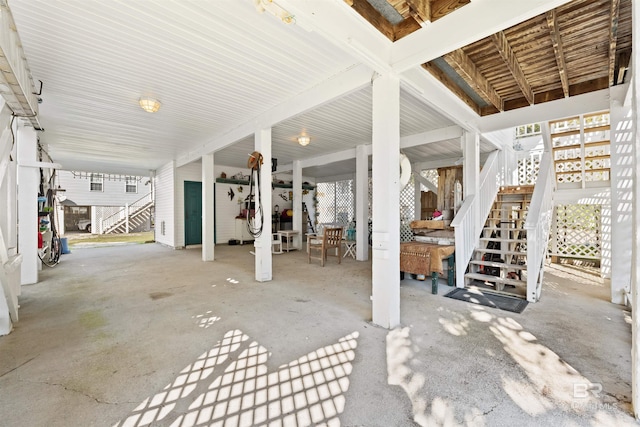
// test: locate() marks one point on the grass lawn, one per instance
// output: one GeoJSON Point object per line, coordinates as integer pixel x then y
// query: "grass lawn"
{"type": "Point", "coordinates": [86, 238]}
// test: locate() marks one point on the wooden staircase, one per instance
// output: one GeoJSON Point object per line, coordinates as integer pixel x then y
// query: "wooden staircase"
{"type": "Point", "coordinates": [137, 218]}
{"type": "Point", "coordinates": [499, 262]}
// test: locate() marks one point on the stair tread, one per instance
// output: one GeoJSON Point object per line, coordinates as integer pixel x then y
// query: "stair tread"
{"type": "Point", "coordinates": [503, 229]}
{"type": "Point", "coordinates": [490, 278]}
{"type": "Point", "coordinates": [500, 252]}
{"type": "Point", "coordinates": [498, 264]}
{"type": "Point", "coordinates": [501, 239]}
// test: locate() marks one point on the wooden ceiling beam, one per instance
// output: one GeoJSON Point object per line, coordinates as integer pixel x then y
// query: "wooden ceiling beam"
{"type": "Point", "coordinates": [557, 94]}
{"type": "Point", "coordinates": [374, 17]}
{"type": "Point", "coordinates": [504, 48]}
{"type": "Point", "coordinates": [440, 8]}
{"type": "Point", "coordinates": [554, 33]}
{"type": "Point", "coordinates": [404, 28]}
{"type": "Point", "coordinates": [613, 39]}
{"type": "Point", "coordinates": [461, 62]}
{"type": "Point", "coordinates": [421, 9]}
{"type": "Point", "coordinates": [445, 80]}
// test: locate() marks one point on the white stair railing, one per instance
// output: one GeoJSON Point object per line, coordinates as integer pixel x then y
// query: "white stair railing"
{"type": "Point", "coordinates": [125, 212]}
{"type": "Point", "coordinates": [473, 213]}
{"type": "Point", "coordinates": [538, 224]}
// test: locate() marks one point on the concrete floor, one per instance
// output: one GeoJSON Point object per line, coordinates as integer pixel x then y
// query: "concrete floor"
{"type": "Point", "coordinates": [142, 334]}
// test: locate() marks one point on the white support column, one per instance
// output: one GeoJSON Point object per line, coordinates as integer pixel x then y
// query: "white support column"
{"type": "Point", "coordinates": [297, 203]}
{"type": "Point", "coordinates": [621, 200]}
{"type": "Point", "coordinates": [635, 258]}
{"type": "Point", "coordinates": [28, 184]}
{"type": "Point", "coordinates": [386, 199]}
{"type": "Point", "coordinates": [262, 244]}
{"type": "Point", "coordinates": [417, 198]}
{"type": "Point", "coordinates": [471, 163]}
{"type": "Point", "coordinates": [362, 203]}
{"type": "Point", "coordinates": [208, 182]}
{"type": "Point", "coordinates": [126, 218]}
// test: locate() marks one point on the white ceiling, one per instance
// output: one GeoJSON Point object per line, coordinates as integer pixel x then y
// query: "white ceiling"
{"type": "Point", "coordinates": [215, 66]}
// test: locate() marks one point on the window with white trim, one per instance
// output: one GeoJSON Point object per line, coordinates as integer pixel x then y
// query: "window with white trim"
{"type": "Point", "coordinates": [96, 181]}
{"type": "Point", "coordinates": [131, 184]}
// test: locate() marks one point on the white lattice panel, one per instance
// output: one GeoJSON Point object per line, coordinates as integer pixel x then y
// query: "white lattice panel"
{"type": "Point", "coordinates": [407, 210]}
{"type": "Point", "coordinates": [336, 202]}
{"type": "Point", "coordinates": [430, 175]}
{"type": "Point", "coordinates": [578, 231]}
{"type": "Point", "coordinates": [528, 170]}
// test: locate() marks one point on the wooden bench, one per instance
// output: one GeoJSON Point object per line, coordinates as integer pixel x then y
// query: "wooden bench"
{"type": "Point", "coordinates": [426, 259]}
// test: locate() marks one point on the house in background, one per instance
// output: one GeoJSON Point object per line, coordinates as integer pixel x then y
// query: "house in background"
{"type": "Point", "coordinates": [102, 203]}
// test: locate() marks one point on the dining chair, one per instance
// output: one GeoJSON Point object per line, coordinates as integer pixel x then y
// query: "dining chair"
{"type": "Point", "coordinates": [331, 239]}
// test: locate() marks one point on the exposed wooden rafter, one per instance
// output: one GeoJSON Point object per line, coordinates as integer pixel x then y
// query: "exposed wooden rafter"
{"type": "Point", "coordinates": [554, 33]}
{"type": "Point", "coordinates": [440, 8]}
{"type": "Point", "coordinates": [420, 10]}
{"type": "Point", "coordinates": [504, 48]}
{"type": "Point", "coordinates": [445, 80]}
{"type": "Point", "coordinates": [375, 18]}
{"type": "Point", "coordinates": [461, 61]}
{"type": "Point", "coordinates": [613, 39]}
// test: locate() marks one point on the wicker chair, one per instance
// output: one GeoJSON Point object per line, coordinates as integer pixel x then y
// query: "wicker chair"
{"type": "Point", "coordinates": [331, 239]}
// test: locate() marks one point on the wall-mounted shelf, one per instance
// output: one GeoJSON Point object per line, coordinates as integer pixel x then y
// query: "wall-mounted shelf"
{"type": "Point", "coordinates": [232, 181]}
{"type": "Point", "coordinates": [273, 185]}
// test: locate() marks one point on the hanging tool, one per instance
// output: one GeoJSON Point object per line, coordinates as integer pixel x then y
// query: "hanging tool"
{"type": "Point", "coordinates": [255, 165]}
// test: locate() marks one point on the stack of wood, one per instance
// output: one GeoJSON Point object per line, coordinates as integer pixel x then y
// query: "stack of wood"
{"type": "Point", "coordinates": [423, 227]}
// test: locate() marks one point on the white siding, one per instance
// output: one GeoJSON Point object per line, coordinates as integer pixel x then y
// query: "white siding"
{"type": "Point", "coordinates": [226, 209]}
{"type": "Point", "coordinates": [112, 194]}
{"type": "Point", "coordinates": [165, 183]}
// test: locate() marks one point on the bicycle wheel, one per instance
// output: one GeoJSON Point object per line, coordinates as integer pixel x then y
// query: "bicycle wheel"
{"type": "Point", "coordinates": [51, 255]}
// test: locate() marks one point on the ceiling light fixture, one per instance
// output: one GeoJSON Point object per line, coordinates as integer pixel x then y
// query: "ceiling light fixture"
{"type": "Point", "coordinates": [149, 105]}
{"type": "Point", "coordinates": [304, 140]}
{"type": "Point", "coordinates": [275, 10]}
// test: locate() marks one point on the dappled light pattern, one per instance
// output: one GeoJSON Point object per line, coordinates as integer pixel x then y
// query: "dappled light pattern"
{"type": "Point", "coordinates": [157, 407]}
{"type": "Point", "coordinates": [307, 391]}
{"type": "Point", "coordinates": [205, 320]}
{"type": "Point", "coordinates": [539, 383]}
{"type": "Point", "coordinates": [457, 326]}
{"type": "Point", "coordinates": [550, 378]}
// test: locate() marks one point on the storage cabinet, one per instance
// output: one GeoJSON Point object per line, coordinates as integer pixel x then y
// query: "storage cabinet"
{"type": "Point", "coordinates": [242, 234]}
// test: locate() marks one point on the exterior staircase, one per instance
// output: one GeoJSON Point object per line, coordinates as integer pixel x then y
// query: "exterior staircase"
{"type": "Point", "coordinates": [130, 218]}
{"type": "Point", "coordinates": [500, 260]}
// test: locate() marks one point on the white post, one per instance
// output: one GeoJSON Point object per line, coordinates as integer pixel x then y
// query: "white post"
{"type": "Point", "coordinates": [126, 218]}
{"type": "Point", "coordinates": [208, 181]}
{"type": "Point", "coordinates": [28, 184]}
{"type": "Point", "coordinates": [417, 198]}
{"type": "Point", "coordinates": [471, 175]}
{"type": "Point", "coordinates": [471, 163]}
{"type": "Point", "coordinates": [262, 244]}
{"type": "Point", "coordinates": [621, 194]}
{"type": "Point", "coordinates": [386, 197]}
{"type": "Point", "coordinates": [635, 259]}
{"type": "Point", "coordinates": [297, 203]}
{"type": "Point", "coordinates": [362, 203]}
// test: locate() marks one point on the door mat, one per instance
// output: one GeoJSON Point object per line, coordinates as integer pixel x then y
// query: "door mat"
{"type": "Point", "coordinates": [476, 296]}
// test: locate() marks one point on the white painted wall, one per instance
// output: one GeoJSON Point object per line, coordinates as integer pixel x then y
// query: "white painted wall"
{"type": "Point", "coordinates": [164, 205]}
{"type": "Point", "coordinates": [78, 190]}
{"type": "Point", "coordinates": [169, 183]}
